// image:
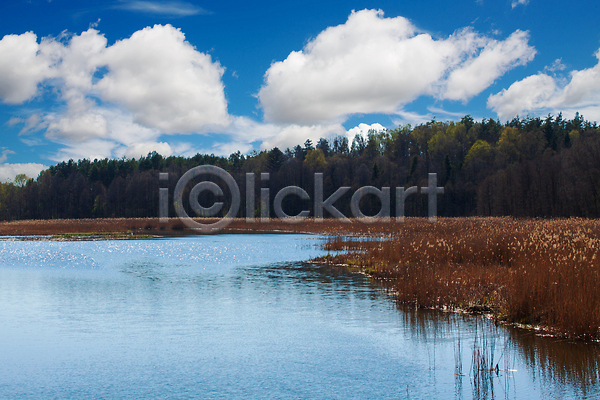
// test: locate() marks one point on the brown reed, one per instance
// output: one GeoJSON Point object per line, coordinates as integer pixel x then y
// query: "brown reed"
{"type": "Point", "coordinates": [537, 272]}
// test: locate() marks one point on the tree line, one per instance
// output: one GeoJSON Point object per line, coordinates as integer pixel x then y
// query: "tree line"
{"type": "Point", "coordinates": [527, 167]}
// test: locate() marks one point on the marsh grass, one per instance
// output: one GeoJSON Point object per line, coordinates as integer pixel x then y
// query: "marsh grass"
{"type": "Point", "coordinates": [536, 272]}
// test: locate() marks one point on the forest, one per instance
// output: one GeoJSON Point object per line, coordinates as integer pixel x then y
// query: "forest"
{"type": "Point", "coordinates": [527, 167]}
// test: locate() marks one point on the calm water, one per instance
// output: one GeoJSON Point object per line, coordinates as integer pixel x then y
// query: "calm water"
{"type": "Point", "coordinates": [239, 316]}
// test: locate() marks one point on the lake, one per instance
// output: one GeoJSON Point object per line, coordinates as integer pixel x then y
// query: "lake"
{"type": "Point", "coordinates": [241, 316]}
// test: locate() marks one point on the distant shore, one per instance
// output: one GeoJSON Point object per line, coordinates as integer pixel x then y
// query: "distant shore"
{"type": "Point", "coordinates": [174, 226]}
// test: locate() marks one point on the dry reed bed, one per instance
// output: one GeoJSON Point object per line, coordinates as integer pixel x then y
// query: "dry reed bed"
{"type": "Point", "coordinates": [537, 272]}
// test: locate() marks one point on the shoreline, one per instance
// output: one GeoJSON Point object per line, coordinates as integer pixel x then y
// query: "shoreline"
{"type": "Point", "coordinates": [539, 275]}
{"type": "Point", "coordinates": [174, 227]}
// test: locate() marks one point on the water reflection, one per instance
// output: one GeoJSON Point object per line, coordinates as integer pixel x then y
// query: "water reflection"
{"type": "Point", "coordinates": [492, 360]}
{"type": "Point", "coordinates": [560, 364]}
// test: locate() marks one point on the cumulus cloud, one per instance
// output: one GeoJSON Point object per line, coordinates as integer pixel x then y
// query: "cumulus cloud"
{"type": "Point", "coordinates": [8, 172]}
{"type": "Point", "coordinates": [495, 59]}
{"type": "Point", "coordinates": [373, 64]}
{"type": "Point", "coordinates": [528, 94]}
{"type": "Point", "coordinates": [78, 127]}
{"type": "Point", "coordinates": [22, 68]}
{"type": "Point", "coordinates": [542, 93]}
{"type": "Point", "coordinates": [118, 99]}
{"type": "Point", "coordinates": [122, 99]}
{"type": "Point", "coordinates": [121, 136]}
{"type": "Point", "coordinates": [164, 82]}
{"type": "Point", "coordinates": [363, 130]}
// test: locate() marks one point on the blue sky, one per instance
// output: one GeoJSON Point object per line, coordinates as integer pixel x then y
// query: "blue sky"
{"type": "Point", "coordinates": [122, 78]}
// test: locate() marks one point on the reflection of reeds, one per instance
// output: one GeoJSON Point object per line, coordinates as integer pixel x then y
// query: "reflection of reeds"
{"type": "Point", "coordinates": [539, 272]}
{"type": "Point", "coordinates": [559, 360]}
{"type": "Point", "coordinates": [485, 362]}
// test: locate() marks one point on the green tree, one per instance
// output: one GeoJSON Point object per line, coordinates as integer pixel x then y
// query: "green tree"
{"type": "Point", "coordinates": [21, 180]}
{"type": "Point", "coordinates": [275, 160]}
{"type": "Point", "coordinates": [315, 159]}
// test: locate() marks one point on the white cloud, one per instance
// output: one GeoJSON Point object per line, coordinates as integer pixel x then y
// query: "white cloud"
{"type": "Point", "coordinates": [150, 84]}
{"type": "Point", "coordinates": [166, 8]}
{"type": "Point", "coordinates": [515, 3]}
{"type": "Point", "coordinates": [120, 100]}
{"type": "Point", "coordinates": [8, 172]}
{"type": "Point", "coordinates": [78, 127]}
{"type": "Point", "coordinates": [225, 149]}
{"type": "Point", "coordinates": [539, 94]}
{"type": "Point", "coordinates": [557, 65]}
{"type": "Point", "coordinates": [164, 82]}
{"type": "Point", "coordinates": [528, 94]}
{"type": "Point", "coordinates": [363, 130]}
{"type": "Point", "coordinates": [245, 131]}
{"type": "Point", "coordinates": [91, 149]}
{"type": "Point", "coordinates": [21, 68]}
{"type": "Point", "coordinates": [292, 135]}
{"type": "Point", "coordinates": [4, 155]}
{"type": "Point", "coordinates": [496, 58]}
{"type": "Point", "coordinates": [32, 124]}
{"type": "Point", "coordinates": [137, 150]}
{"type": "Point", "coordinates": [109, 133]}
{"type": "Point", "coordinates": [373, 64]}
{"type": "Point", "coordinates": [448, 114]}
{"type": "Point", "coordinates": [412, 118]}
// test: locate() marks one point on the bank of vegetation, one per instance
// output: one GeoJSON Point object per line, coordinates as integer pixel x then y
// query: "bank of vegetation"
{"type": "Point", "coordinates": [531, 167]}
{"type": "Point", "coordinates": [536, 272]}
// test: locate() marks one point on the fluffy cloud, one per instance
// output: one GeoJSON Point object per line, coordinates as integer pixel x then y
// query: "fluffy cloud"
{"type": "Point", "coordinates": [107, 133]}
{"type": "Point", "coordinates": [164, 82]}
{"type": "Point", "coordinates": [78, 127]}
{"type": "Point", "coordinates": [495, 59]}
{"type": "Point", "coordinates": [21, 67]}
{"type": "Point", "coordinates": [542, 93]}
{"type": "Point", "coordinates": [528, 94]}
{"type": "Point", "coordinates": [373, 64]}
{"type": "Point", "coordinates": [8, 172]}
{"type": "Point", "coordinates": [118, 99]}
{"type": "Point", "coordinates": [363, 130]}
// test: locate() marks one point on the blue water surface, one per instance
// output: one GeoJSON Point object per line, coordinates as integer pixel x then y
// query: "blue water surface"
{"type": "Point", "coordinates": [241, 316]}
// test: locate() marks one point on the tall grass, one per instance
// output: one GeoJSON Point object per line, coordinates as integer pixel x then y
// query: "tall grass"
{"type": "Point", "coordinates": [539, 272]}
